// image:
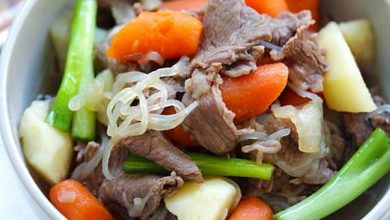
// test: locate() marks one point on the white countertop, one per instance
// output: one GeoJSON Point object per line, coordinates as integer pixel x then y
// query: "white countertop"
{"type": "Point", "coordinates": [15, 202]}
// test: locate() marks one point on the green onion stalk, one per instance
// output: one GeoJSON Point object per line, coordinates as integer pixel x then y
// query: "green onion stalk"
{"type": "Point", "coordinates": [79, 57]}
{"type": "Point", "coordinates": [208, 164]}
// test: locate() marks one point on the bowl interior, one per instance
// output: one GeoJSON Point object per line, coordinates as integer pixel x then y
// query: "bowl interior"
{"type": "Point", "coordinates": [30, 69]}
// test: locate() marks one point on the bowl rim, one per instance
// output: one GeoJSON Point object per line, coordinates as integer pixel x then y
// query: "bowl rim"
{"type": "Point", "coordinates": [18, 162]}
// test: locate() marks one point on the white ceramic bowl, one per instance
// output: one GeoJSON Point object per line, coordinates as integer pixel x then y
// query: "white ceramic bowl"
{"type": "Point", "coordinates": [26, 70]}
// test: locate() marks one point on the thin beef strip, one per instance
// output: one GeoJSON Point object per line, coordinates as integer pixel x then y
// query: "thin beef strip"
{"type": "Point", "coordinates": [211, 123]}
{"type": "Point", "coordinates": [232, 32]}
{"type": "Point", "coordinates": [131, 195]}
{"type": "Point", "coordinates": [154, 146]}
{"type": "Point", "coordinates": [359, 126]}
{"type": "Point", "coordinates": [306, 61]}
{"type": "Point", "coordinates": [140, 194]}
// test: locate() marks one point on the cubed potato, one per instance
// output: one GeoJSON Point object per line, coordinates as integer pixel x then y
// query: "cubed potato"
{"type": "Point", "coordinates": [47, 150]}
{"type": "Point", "coordinates": [344, 87]}
{"type": "Point", "coordinates": [211, 200]}
{"type": "Point", "coordinates": [360, 39]}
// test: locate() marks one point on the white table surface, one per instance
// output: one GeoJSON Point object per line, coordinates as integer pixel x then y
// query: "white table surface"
{"type": "Point", "coordinates": [15, 202]}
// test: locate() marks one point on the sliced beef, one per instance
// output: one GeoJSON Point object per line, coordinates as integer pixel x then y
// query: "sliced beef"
{"type": "Point", "coordinates": [85, 152]}
{"type": "Point", "coordinates": [359, 126]}
{"type": "Point", "coordinates": [232, 32]}
{"type": "Point", "coordinates": [131, 195]}
{"type": "Point", "coordinates": [381, 121]}
{"type": "Point", "coordinates": [306, 61]}
{"type": "Point", "coordinates": [211, 123]}
{"type": "Point", "coordinates": [154, 146]}
{"type": "Point", "coordinates": [140, 194]}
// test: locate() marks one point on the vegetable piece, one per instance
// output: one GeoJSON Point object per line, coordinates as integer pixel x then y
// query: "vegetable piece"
{"type": "Point", "coordinates": [308, 121]}
{"type": "Point", "coordinates": [312, 5]}
{"type": "Point", "coordinates": [360, 39]}
{"type": "Point", "coordinates": [79, 55]}
{"type": "Point", "coordinates": [84, 120]}
{"type": "Point", "coordinates": [94, 98]}
{"type": "Point", "coordinates": [178, 135]}
{"type": "Point", "coordinates": [270, 7]}
{"type": "Point", "coordinates": [252, 209]}
{"type": "Point", "coordinates": [211, 200]}
{"type": "Point", "coordinates": [250, 95]}
{"type": "Point", "coordinates": [183, 4]}
{"type": "Point", "coordinates": [47, 150]}
{"type": "Point", "coordinates": [76, 202]}
{"type": "Point", "coordinates": [367, 166]}
{"type": "Point", "coordinates": [172, 34]}
{"type": "Point", "coordinates": [344, 87]}
{"type": "Point", "coordinates": [208, 164]}
{"type": "Point", "coordinates": [289, 97]}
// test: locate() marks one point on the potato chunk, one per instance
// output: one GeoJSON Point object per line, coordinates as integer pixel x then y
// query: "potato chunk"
{"type": "Point", "coordinates": [359, 36]}
{"type": "Point", "coordinates": [47, 150]}
{"type": "Point", "coordinates": [344, 87]}
{"type": "Point", "coordinates": [211, 200]}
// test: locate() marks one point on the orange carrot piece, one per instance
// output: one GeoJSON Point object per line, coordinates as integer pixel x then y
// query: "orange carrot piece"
{"type": "Point", "coordinates": [172, 34]}
{"type": "Point", "coordinates": [271, 7]}
{"type": "Point", "coordinates": [183, 4]}
{"type": "Point", "coordinates": [250, 95]}
{"type": "Point", "coordinates": [76, 202]}
{"type": "Point", "coordinates": [252, 209]}
{"type": "Point", "coordinates": [289, 97]}
{"type": "Point", "coordinates": [312, 5]}
{"type": "Point", "coordinates": [178, 135]}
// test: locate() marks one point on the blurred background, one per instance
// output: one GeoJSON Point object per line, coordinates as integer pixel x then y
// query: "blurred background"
{"type": "Point", "coordinates": [8, 11]}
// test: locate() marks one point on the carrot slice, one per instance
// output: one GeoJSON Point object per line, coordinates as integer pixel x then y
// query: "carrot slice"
{"type": "Point", "coordinates": [178, 135]}
{"type": "Point", "coordinates": [312, 5]}
{"type": "Point", "coordinates": [170, 33]}
{"type": "Point", "coordinates": [183, 4]}
{"type": "Point", "coordinates": [76, 202]}
{"type": "Point", "coordinates": [252, 209]}
{"type": "Point", "coordinates": [250, 95]}
{"type": "Point", "coordinates": [289, 97]}
{"type": "Point", "coordinates": [270, 7]}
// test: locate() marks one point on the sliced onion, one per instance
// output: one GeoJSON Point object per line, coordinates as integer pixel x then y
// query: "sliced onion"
{"type": "Point", "coordinates": [308, 121]}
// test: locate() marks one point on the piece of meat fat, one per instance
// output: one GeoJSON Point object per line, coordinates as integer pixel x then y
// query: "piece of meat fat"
{"type": "Point", "coordinates": [154, 146]}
